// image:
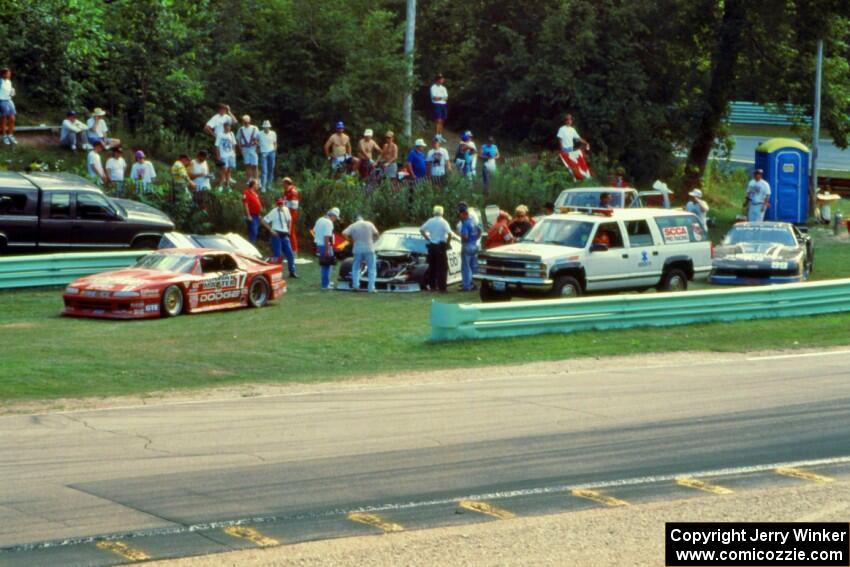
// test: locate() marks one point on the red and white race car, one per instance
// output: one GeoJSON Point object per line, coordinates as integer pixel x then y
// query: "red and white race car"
{"type": "Point", "coordinates": [169, 282]}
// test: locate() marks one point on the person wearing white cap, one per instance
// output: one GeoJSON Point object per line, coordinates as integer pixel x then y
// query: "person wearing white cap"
{"type": "Point", "coordinates": [367, 147]}
{"type": "Point", "coordinates": [142, 173]}
{"type": "Point", "coordinates": [697, 206]}
{"type": "Point", "coordinates": [416, 160]}
{"type": "Point", "coordinates": [97, 130]}
{"type": "Point", "coordinates": [758, 196]}
{"type": "Point", "coordinates": [438, 233]}
{"type": "Point", "coordinates": [248, 139]}
{"type": "Point", "coordinates": [268, 155]}
{"type": "Point", "coordinates": [323, 236]}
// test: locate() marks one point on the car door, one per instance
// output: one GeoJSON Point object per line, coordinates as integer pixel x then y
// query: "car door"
{"type": "Point", "coordinates": [234, 280]}
{"type": "Point", "coordinates": [223, 281]}
{"type": "Point", "coordinates": [18, 216]}
{"type": "Point", "coordinates": [608, 258]}
{"type": "Point", "coordinates": [643, 266]}
{"type": "Point", "coordinates": [57, 210]}
{"type": "Point", "coordinates": [96, 224]}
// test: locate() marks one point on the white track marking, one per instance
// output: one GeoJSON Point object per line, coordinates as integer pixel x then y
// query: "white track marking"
{"type": "Point", "coordinates": [802, 355]}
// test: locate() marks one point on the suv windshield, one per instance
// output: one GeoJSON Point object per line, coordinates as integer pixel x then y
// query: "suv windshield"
{"type": "Point", "coordinates": [397, 241]}
{"type": "Point", "coordinates": [166, 263]}
{"type": "Point", "coordinates": [563, 232]}
{"type": "Point", "coordinates": [777, 235]}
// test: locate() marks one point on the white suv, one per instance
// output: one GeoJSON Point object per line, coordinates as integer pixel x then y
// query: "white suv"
{"type": "Point", "coordinates": [566, 255]}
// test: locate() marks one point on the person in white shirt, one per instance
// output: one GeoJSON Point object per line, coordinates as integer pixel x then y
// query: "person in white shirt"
{"type": "Point", "coordinates": [323, 237]}
{"type": "Point", "coordinates": [97, 130]}
{"type": "Point", "coordinates": [568, 136]}
{"type": "Point", "coordinates": [268, 155]}
{"type": "Point", "coordinates": [438, 233]}
{"type": "Point", "coordinates": [225, 149]}
{"type": "Point", "coordinates": [73, 132]}
{"type": "Point", "coordinates": [248, 139]}
{"type": "Point", "coordinates": [142, 173]}
{"type": "Point", "coordinates": [115, 168]}
{"type": "Point", "coordinates": [697, 206]}
{"type": "Point", "coordinates": [279, 224]}
{"type": "Point", "coordinates": [94, 165]}
{"type": "Point", "coordinates": [437, 161]}
{"type": "Point", "coordinates": [362, 234]}
{"type": "Point", "coordinates": [215, 125]}
{"type": "Point", "coordinates": [199, 172]}
{"type": "Point", "coordinates": [7, 107]}
{"type": "Point", "coordinates": [758, 197]}
{"type": "Point", "coordinates": [440, 103]}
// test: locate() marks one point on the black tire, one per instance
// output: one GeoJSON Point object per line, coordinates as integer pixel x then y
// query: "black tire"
{"type": "Point", "coordinates": [172, 302]}
{"type": "Point", "coordinates": [145, 244]}
{"type": "Point", "coordinates": [490, 295]}
{"type": "Point", "coordinates": [566, 287]}
{"type": "Point", "coordinates": [674, 279]}
{"type": "Point", "coordinates": [258, 292]}
{"type": "Point", "coordinates": [420, 276]}
{"type": "Point", "coordinates": [345, 268]}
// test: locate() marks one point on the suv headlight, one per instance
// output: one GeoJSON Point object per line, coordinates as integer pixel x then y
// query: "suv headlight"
{"type": "Point", "coordinates": [482, 261]}
{"type": "Point", "coordinates": [126, 294]}
{"type": "Point", "coordinates": [72, 290]}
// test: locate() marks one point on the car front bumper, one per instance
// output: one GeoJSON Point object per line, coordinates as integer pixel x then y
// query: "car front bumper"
{"type": "Point", "coordinates": [386, 285]}
{"type": "Point", "coordinates": [744, 279]}
{"type": "Point", "coordinates": [111, 308]}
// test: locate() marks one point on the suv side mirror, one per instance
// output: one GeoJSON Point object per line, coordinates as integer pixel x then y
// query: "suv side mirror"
{"type": "Point", "coordinates": [596, 247]}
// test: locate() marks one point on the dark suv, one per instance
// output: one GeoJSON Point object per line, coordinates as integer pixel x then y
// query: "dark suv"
{"type": "Point", "coordinates": [56, 211]}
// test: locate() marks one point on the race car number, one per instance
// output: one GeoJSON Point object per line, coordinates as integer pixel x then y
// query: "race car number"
{"type": "Point", "coordinates": [779, 265]}
{"type": "Point", "coordinates": [454, 262]}
{"type": "Point", "coordinates": [236, 280]}
{"type": "Point", "coordinates": [676, 234]}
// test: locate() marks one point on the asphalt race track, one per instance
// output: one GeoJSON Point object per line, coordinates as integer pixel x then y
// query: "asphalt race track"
{"type": "Point", "coordinates": [830, 156]}
{"type": "Point", "coordinates": [102, 487]}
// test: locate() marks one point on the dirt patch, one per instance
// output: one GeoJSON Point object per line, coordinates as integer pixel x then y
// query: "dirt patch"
{"type": "Point", "coordinates": [18, 325]}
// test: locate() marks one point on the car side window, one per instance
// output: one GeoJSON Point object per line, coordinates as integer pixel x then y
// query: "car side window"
{"type": "Point", "coordinates": [609, 234]}
{"type": "Point", "coordinates": [15, 203]}
{"type": "Point", "coordinates": [91, 206]}
{"type": "Point", "coordinates": [680, 229]}
{"type": "Point", "coordinates": [228, 264]}
{"type": "Point", "coordinates": [60, 205]}
{"type": "Point", "coordinates": [639, 234]}
{"type": "Point", "coordinates": [210, 264]}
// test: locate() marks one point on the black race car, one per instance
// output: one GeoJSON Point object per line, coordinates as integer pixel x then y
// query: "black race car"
{"type": "Point", "coordinates": [757, 253]}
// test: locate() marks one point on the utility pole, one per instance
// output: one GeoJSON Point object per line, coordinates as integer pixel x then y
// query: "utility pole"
{"type": "Point", "coordinates": [816, 125]}
{"type": "Point", "coordinates": [409, 36]}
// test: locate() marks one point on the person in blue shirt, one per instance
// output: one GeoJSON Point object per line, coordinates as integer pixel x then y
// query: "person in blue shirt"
{"type": "Point", "coordinates": [416, 160]}
{"type": "Point", "coordinates": [470, 232]}
{"type": "Point", "coordinates": [489, 153]}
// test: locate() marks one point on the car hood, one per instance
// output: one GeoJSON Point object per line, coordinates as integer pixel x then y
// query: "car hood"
{"type": "Point", "coordinates": [756, 251]}
{"type": "Point", "coordinates": [547, 253]}
{"type": "Point", "coordinates": [140, 212]}
{"type": "Point", "coordinates": [130, 279]}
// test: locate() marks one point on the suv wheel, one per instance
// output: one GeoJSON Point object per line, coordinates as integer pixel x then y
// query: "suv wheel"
{"type": "Point", "coordinates": [674, 279]}
{"type": "Point", "coordinates": [490, 295]}
{"type": "Point", "coordinates": [566, 287]}
{"type": "Point", "coordinates": [172, 301]}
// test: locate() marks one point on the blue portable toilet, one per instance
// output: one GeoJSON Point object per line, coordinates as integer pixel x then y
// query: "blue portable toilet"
{"type": "Point", "coordinates": [786, 167]}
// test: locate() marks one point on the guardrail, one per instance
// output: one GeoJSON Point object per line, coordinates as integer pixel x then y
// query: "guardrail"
{"type": "Point", "coordinates": [742, 112]}
{"type": "Point", "coordinates": [60, 269]}
{"type": "Point", "coordinates": [451, 322]}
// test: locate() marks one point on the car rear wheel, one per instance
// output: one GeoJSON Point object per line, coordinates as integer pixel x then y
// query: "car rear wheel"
{"type": "Point", "coordinates": [674, 279]}
{"type": "Point", "coordinates": [258, 292]}
{"type": "Point", "coordinates": [490, 295]}
{"type": "Point", "coordinates": [566, 287]}
{"type": "Point", "coordinates": [172, 301]}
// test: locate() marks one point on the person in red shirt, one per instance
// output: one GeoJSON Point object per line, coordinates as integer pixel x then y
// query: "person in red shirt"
{"type": "Point", "coordinates": [292, 196]}
{"type": "Point", "coordinates": [253, 208]}
{"type": "Point", "coordinates": [499, 234]}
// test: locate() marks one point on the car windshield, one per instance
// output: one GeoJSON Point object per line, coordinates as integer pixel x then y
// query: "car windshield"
{"type": "Point", "coordinates": [590, 199]}
{"type": "Point", "coordinates": [564, 232]}
{"type": "Point", "coordinates": [777, 235]}
{"type": "Point", "coordinates": [398, 241]}
{"type": "Point", "coordinates": [166, 263]}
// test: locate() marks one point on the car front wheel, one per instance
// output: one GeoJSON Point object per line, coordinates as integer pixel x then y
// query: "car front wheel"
{"type": "Point", "coordinates": [566, 287]}
{"type": "Point", "coordinates": [258, 293]}
{"type": "Point", "coordinates": [172, 301]}
{"type": "Point", "coordinates": [674, 280]}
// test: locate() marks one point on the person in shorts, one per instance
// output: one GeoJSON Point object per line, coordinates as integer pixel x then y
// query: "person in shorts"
{"type": "Point", "coordinates": [389, 157]}
{"type": "Point", "coordinates": [7, 107]}
{"type": "Point", "coordinates": [248, 138]}
{"type": "Point", "coordinates": [225, 149]}
{"type": "Point", "coordinates": [338, 147]}
{"type": "Point", "coordinates": [98, 129]}
{"type": "Point", "coordinates": [440, 103]}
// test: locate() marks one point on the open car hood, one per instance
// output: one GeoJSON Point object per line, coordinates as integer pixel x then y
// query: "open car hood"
{"type": "Point", "coordinates": [230, 242]}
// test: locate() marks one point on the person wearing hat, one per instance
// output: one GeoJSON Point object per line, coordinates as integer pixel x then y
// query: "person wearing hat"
{"type": "Point", "coordinates": [697, 206]}
{"type": "Point", "coordinates": [73, 133]}
{"type": "Point", "coordinates": [416, 160]}
{"type": "Point", "coordinates": [248, 139]}
{"type": "Point", "coordinates": [180, 180]}
{"type": "Point", "coordinates": [115, 168]}
{"type": "Point", "coordinates": [438, 234]}
{"type": "Point", "coordinates": [268, 155]}
{"type": "Point", "coordinates": [338, 147]}
{"type": "Point", "coordinates": [440, 103]}
{"type": "Point", "coordinates": [225, 149]}
{"type": "Point", "coordinates": [367, 147]}
{"type": "Point", "coordinates": [279, 224]}
{"type": "Point", "coordinates": [253, 207]}
{"type": "Point", "coordinates": [362, 234]}
{"type": "Point", "coordinates": [142, 173]}
{"type": "Point", "coordinates": [466, 155]}
{"type": "Point", "coordinates": [323, 236]}
{"type": "Point", "coordinates": [470, 233]}
{"type": "Point", "coordinates": [292, 200]}
{"type": "Point", "coordinates": [389, 157]}
{"type": "Point", "coordinates": [97, 130]}
{"type": "Point", "coordinates": [215, 125]}
{"type": "Point", "coordinates": [94, 165]}
{"type": "Point", "coordinates": [438, 162]}
{"type": "Point", "coordinates": [499, 234]}
{"type": "Point", "coordinates": [758, 197]}
{"type": "Point", "coordinates": [7, 107]}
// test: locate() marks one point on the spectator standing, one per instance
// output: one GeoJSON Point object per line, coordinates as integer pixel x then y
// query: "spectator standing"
{"type": "Point", "coordinates": [199, 172]}
{"type": "Point", "coordinates": [440, 103]}
{"type": "Point", "coordinates": [521, 224]}
{"type": "Point", "coordinates": [323, 236]}
{"type": "Point", "coordinates": [362, 234]}
{"type": "Point", "coordinates": [215, 125]}
{"type": "Point", "coordinates": [7, 107]}
{"type": "Point", "coordinates": [97, 130]}
{"type": "Point", "coordinates": [389, 157]}
{"type": "Point", "coordinates": [758, 196]}
{"type": "Point", "coordinates": [248, 139]}
{"type": "Point", "coordinates": [438, 162]}
{"type": "Point", "coordinates": [115, 169]}
{"type": "Point", "coordinates": [499, 234]}
{"type": "Point", "coordinates": [438, 234]}
{"type": "Point", "coordinates": [292, 200]}
{"type": "Point", "coordinates": [416, 160]}
{"type": "Point", "coordinates": [470, 232]}
{"type": "Point", "coordinates": [466, 156]}
{"type": "Point", "coordinates": [568, 136]}
{"type": "Point", "coordinates": [338, 147]}
{"type": "Point", "coordinates": [698, 207]}
{"type": "Point", "coordinates": [367, 147]}
{"type": "Point", "coordinates": [268, 155]}
{"type": "Point", "coordinates": [73, 133]}
{"type": "Point", "coordinates": [181, 182]}
{"type": "Point", "coordinates": [143, 173]}
{"type": "Point", "coordinates": [94, 165]}
{"type": "Point", "coordinates": [253, 208]}
{"type": "Point", "coordinates": [225, 148]}
{"type": "Point", "coordinates": [490, 154]}
{"type": "Point", "coordinates": [279, 224]}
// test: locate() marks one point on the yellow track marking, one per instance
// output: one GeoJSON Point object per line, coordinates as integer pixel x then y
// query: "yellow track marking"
{"type": "Point", "coordinates": [805, 475]}
{"type": "Point", "coordinates": [486, 509]}
{"type": "Point", "coordinates": [122, 549]}
{"type": "Point", "coordinates": [251, 534]}
{"type": "Point", "coordinates": [375, 521]}
{"type": "Point", "coordinates": [702, 485]}
{"type": "Point", "coordinates": [598, 497]}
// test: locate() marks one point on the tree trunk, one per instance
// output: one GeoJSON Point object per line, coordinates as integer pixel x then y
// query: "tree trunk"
{"type": "Point", "coordinates": [720, 90]}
